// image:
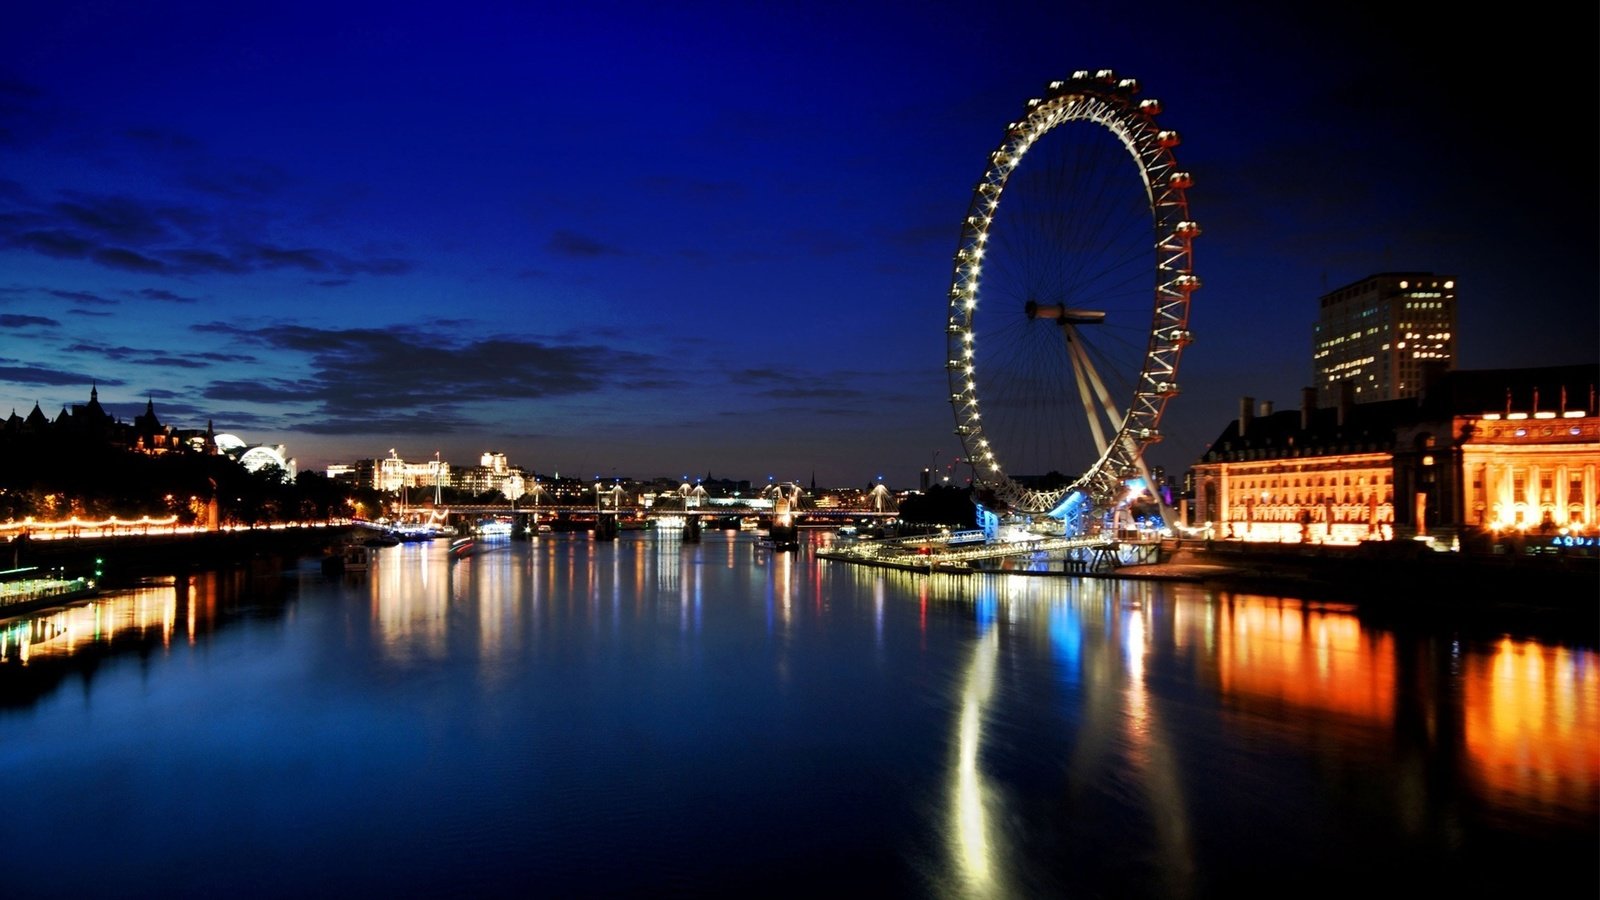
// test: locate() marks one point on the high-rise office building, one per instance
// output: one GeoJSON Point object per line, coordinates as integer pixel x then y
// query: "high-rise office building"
{"type": "Point", "coordinates": [1382, 335]}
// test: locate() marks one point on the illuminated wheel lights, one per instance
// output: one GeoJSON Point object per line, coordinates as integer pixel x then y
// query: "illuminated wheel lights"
{"type": "Point", "coordinates": [1085, 278]}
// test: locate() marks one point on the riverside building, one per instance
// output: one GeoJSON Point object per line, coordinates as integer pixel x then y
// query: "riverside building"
{"type": "Point", "coordinates": [1476, 454]}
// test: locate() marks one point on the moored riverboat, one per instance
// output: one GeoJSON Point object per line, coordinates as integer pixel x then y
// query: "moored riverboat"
{"type": "Point", "coordinates": [779, 541]}
{"type": "Point", "coordinates": [352, 557]}
{"type": "Point", "coordinates": [27, 588]}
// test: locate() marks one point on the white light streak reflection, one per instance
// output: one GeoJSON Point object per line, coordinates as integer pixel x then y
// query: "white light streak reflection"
{"type": "Point", "coordinates": [878, 591]}
{"type": "Point", "coordinates": [1151, 751]}
{"type": "Point", "coordinates": [409, 612]}
{"type": "Point", "coordinates": [972, 835]}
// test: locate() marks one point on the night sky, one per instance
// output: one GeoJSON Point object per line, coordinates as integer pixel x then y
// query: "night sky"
{"type": "Point", "coordinates": [681, 238]}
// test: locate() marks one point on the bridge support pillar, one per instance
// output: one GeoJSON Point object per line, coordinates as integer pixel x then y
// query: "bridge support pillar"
{"type": "Point", "coordinates": [1103, 558]}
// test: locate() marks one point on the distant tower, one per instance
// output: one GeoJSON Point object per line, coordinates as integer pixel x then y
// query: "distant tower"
{"type": "Point", "coordinates": [1383, 334]}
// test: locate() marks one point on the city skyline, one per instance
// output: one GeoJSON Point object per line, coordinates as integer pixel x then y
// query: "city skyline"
{"type": "Point", "coordinates": [714, 239]}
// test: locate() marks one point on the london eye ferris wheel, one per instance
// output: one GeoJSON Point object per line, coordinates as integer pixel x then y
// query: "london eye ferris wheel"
{"type": "Point", "coordinates": [1069, 305]}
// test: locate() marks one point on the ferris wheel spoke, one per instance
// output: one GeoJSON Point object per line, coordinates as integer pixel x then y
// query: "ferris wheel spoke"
{"type": "Point", "coordinates": [1092, 385]}
{"type": "Point", "coordinates": [1083, 376]}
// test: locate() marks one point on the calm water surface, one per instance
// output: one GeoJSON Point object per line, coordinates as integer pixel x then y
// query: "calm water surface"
{"type": "Point", "coordinates": [566, 718]}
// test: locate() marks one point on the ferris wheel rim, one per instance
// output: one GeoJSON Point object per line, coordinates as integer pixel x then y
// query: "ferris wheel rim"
{"type": "Point", "coordinates": [1104, 100]}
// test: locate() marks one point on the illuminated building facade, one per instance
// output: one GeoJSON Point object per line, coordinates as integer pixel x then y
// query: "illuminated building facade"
{"type": "Point", "coordinates": [493, 473]}
{"type": "Point", "coordinates": [1477, 453]}
{"type": "Point", "coordinates": [1531, 466]}
{"type": "Point", "coordinates": [1382, 335]}
{"type": "Point", "coordinates": [391, 473]}
{"type": "Point", "coordinates": [257, 456]}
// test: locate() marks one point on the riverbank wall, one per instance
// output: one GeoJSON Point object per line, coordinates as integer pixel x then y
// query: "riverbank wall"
{"type": "Point", "coordinates": [1392, 583]}
{"type": "Point", "coordinates": [1389, 565]}
{"type": "Point", "coordinates": [124, 559]}
{"type": "Point", "coordinates": [1401, 582]}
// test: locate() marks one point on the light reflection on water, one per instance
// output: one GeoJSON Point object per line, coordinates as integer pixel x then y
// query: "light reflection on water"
{"type": "Point", "coordinates": [971, 795]}
{"type": "Point", "coordinates": [161, 611]}
{"type": "Point", "coordinates": [1531, 726]}
{"type": "Point", "coordinates": [733, 719]}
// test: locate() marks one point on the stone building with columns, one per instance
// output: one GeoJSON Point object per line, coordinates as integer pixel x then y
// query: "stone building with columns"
{"type": "Point", "coordinates": [1479, 453]}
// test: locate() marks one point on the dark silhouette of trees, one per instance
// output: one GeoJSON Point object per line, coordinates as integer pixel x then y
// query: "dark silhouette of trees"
{"type": "Point", "coordinates": [51, 476]}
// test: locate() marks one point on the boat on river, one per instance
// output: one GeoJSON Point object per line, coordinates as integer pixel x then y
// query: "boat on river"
{"type": "Point", "coordinates": [355, 556]}
{"type": "Point", "coordinates": [778, 541]}
{"type": "Point", "coordinates": [495, 528]}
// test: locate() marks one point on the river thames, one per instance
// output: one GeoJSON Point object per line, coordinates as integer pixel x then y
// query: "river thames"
{"type": "Point", "coordinates": [649, 717]}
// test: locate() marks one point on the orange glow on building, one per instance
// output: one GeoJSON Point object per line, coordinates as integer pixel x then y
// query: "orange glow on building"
{"type": "Point", "coordinates": [1530, 474]}
{"type": "Point", "coordinates": [1433, 468]}
{"type": "Point", "coordinates": [1339, 499]}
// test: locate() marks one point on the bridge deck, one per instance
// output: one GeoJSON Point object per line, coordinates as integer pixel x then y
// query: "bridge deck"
{"type": "Point", "coordinates": [641, 512]}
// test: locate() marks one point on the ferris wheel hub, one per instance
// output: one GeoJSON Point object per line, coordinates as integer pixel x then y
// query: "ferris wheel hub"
{"type": "Point", "coordinates": [1065, 314]}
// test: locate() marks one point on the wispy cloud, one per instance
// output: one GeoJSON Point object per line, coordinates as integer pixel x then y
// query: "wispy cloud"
{"type": "Point", "coordinates": [573, 244]}
{"type": "Point", "coordinates": [83, 297]}
{"type": "Point", "coordinates": [162, 295]}
{"type": "Point", "coordinates": [135, 234]}
{"type": "Point", "coordinates": [369, 380]}
{"type": "Point", "coordinates": [163, 358]}
{"type": "Point", "coordinates": [20, 321]}
{"type": "Point", "coordinates": [30, 374]}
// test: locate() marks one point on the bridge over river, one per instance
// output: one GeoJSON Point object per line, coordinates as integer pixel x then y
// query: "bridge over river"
{"type": "Point", "coordinates": [820, 517]}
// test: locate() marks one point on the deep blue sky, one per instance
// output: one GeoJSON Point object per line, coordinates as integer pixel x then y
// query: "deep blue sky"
{"type": "Point", "coordinates": [661, 239]}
